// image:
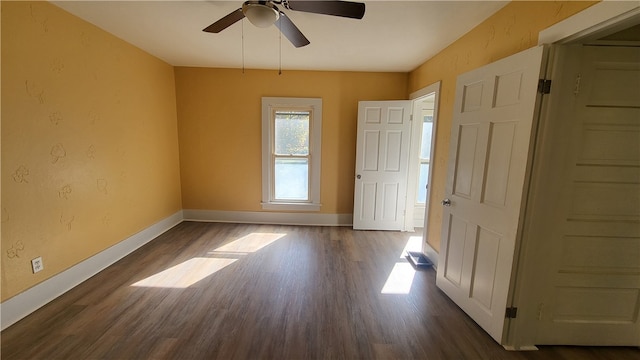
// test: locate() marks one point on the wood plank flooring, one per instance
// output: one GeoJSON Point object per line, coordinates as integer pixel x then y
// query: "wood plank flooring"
{"type": "Point", "coordinates": [229, 291]}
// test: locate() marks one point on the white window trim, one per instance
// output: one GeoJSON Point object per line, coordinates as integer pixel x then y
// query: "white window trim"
{"type": "Point", "coordinates": [268, 103]}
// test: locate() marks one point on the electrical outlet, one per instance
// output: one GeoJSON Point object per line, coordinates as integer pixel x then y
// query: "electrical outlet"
{"type": "Point", "coordinates": [37, 264]}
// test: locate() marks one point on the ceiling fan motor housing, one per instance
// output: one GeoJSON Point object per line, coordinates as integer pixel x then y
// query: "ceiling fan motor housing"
{"type": "Point", "coordinates": [261, 13]}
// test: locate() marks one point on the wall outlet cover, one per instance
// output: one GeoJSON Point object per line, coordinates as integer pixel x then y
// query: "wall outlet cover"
{"type": "Point", "coordinates": [37, 265]}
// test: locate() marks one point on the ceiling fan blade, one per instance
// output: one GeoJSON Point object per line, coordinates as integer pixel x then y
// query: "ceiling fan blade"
{"type": "Point", "coordinates": [348, 9]}
{"type": "Point", "coordinates": [225, 22]}
{"type": "Point", "coordinates": [291, 31]}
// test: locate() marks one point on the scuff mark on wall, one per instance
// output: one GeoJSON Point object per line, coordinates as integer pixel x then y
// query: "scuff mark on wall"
{"type": "Point", "coordinates": [491, 37]}
{"type": "Point", "coordinates": [91, 152]}
{"type": "Point", "coordinates": [35, 90]}
{"type": "Point", "coordinates": [510, 22]}
{"type": "Point", "coordinates": [57, 66]}
{"type": "Point", "coordinates": [526, 39]}
{"type": "Point", "coordinates": [38, 17]}
{"type": "Point", "coordinates": [64, 192]}
{"type": "Point", "coordinates": [93, 117]}
{"type": "Point", "coordinates": [20, 175]}
{"type": "Point", "coordinates": [14, 250]}
{"type": "Point", "coordinates": [85, 39]}
{"type": "Point", "coordinates": [57, 152]}
{"type": "Point", "coordinates": [55, 118]}
{"type": "Point", "coordinates": [66, 220]}
{"type": "Point", "coordinates": [106, 219]}
{"type": "Point", "coordinates": [102, 186]}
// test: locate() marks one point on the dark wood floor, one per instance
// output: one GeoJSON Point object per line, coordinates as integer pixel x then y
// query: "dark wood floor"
{"type": "Point", "coordinates": [312, 293]}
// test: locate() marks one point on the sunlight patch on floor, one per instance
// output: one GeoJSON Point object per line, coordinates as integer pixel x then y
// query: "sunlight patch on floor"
{"type": "Point", "coordinates": [248, 244]}
{"type": "Point", "coordinates": [193, 270]}
{"type": "Point", "coordinates": [400, 279]}
{"type": "Point", "coordinates": [185, 274]}
{"type": "Point", "coordinates": [414, 244]}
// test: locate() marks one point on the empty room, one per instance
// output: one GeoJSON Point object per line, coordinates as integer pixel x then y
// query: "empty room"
{"type": "Point", "coordinates": [320, 179]}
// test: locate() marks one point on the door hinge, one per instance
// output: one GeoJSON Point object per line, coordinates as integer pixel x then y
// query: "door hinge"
{"type": "Point", "coordinates": [540, 310]}
{"type": "Point", "coordinates": [576, 88]}
{"type": "Point", "coordinates": [411, 117]}
{"type": "Point", "coordinates": [511, 313]}
{"type": "Point", "coordinates": [544, 86]}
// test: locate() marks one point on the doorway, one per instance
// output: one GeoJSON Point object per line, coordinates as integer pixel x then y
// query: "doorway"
{"type": "Point", "coordinates": [402, 204]}
{"type": "Point", "coordinates": [577, 280]}
{"type": "Point", "coordinates": [423, 131]}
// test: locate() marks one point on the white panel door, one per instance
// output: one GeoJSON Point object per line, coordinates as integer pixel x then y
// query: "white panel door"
{"type": "Point", "coordinates": [592, 296]}
{"type": "Point", "coordinates": [494, 111]}
{"type": "Point", "coordinates": [382, 152]}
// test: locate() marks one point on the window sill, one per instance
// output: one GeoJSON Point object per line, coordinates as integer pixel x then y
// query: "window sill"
{"type": "Point", "coordinates": [290, 206]}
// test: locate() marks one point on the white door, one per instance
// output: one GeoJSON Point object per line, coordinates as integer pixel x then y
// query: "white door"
{"type": "Point", "coordinates": [592, 209]}
{"type": "Point", "coordinates": [382, 152]}
{"type": "Point", "coordinates": [494, 111]}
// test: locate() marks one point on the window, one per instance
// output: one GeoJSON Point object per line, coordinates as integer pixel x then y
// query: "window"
{"type": "Point", "coordinates": [291, 136]}
{"type": "Point", "coordinates": [425, 155]}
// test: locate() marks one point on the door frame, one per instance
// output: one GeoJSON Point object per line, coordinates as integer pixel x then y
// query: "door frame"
{"type": "Point", "coordinates": [604, 16]}
{"type": "Point", "coordinates": [414, 154]}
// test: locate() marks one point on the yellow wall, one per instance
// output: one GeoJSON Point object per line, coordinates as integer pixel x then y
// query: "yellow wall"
{"type": "Point", "coordinates": [512, 29]}
{"type": "Point", "coordinates": [220, 131]}
{"type": "Point", "coordinates": [89, 142]}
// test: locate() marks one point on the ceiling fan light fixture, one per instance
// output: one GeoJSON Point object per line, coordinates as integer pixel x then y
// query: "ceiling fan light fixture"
{"type": "Point", "coordinates": [261, 13]}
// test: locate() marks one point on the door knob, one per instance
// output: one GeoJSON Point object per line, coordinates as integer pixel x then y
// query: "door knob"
{"type": "Point", "coordinates": [358, 176]}
{"type": "Point", "coordinates": [446, 202]}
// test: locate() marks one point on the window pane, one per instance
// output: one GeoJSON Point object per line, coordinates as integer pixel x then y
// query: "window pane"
{"type": "Point", "coordinates": [427, 129]}
{"type": "Point", "coordinates": [292, 133]}
{"type": "Point", "coordinates": [291, 179]}
{"type": "Point", "coordinates": [422, 184]}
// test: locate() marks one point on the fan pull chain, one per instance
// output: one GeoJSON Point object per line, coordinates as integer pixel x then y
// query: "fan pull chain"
{"type": "Point", "coordinates": [242, 35]}
{"type": "Point", "coordinates": [280, 44]}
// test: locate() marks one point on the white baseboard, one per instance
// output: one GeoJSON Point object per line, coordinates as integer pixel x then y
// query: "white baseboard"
{"type": "Point", "coordinates": [266, 217]}
{"type": "Point", "coordinates": [520, 348]}
{"type": "Point", "coordinates": [32, 299]}
{"type": "Point", "coordinates": [431, 254]}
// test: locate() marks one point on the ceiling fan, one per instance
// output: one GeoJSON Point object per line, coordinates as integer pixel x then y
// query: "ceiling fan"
{"type": "Point", "coordinates": [266, 13]}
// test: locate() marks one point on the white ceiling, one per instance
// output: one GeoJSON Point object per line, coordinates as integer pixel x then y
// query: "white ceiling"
{"type": "Point", "coordinates": [394, 36]}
